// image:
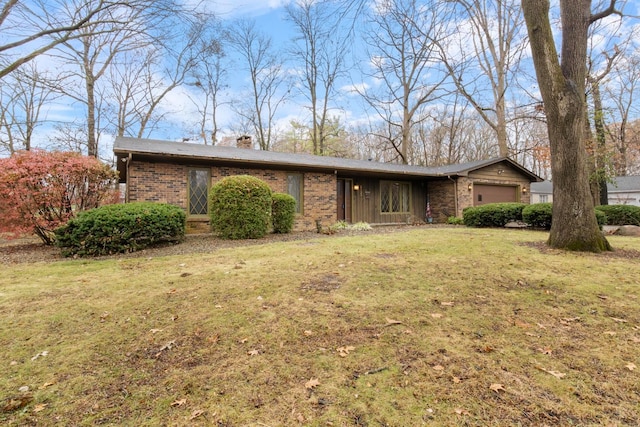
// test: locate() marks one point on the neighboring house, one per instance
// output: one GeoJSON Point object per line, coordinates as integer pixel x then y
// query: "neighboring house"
{"type": "Point", "coordinates": [541, 192]}
{"type": "Point", "coordinates": [326, 189]}
{"type": "Point", "coordinates": [624, 190]}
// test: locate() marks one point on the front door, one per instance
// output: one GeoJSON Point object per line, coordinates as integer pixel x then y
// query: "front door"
{"type": "Point", "coordinates": [344, 199]}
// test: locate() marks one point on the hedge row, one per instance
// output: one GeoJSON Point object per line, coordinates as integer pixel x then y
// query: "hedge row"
{"type": "Point", "coordinates": [539, 215]}
{"type": "Point", "coordinates": [121, 228]}
{"type": "Point", "coordinates": [492, 214]}
{"type": "Point", "coordinates": [621, 214]}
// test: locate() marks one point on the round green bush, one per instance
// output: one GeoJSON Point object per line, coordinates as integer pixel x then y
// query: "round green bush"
{"type": "Point", "coordinates": [121, 228]}
{"type": "Point", "coordinates": [283, 210]}
{"type": "Point", "coordinates": [538, 215]}
{"type": "Point", "coordinates": [240, 207]}
{"type": "Point", "coordinates": [621, 214]}
{"type": "Point", "coordinates": [492, 214]}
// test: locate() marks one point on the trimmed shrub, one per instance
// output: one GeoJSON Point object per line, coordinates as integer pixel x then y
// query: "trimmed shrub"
{"type": "Point", "coordinates": [538, 215]}
{"type": "Point", "coordinates": [121, 228]}
{"type": "Point", "coordinates": [621, 214]}
{"type": "Point", "coordinates": [492, 214]}
{"type": "Point", "coordinates": [240, 207]}
{"type": "Point", "coordinates": [283, 211]}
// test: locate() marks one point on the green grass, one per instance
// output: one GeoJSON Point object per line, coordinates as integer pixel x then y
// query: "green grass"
{"type": "Point", "coordinates": [437, 326]}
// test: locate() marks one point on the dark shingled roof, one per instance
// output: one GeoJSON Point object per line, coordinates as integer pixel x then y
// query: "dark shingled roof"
{"type": "Point", "coordinates": [124, 146]}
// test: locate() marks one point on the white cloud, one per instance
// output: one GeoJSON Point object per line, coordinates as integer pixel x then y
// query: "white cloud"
{"type": "Point", "coordinates": [354, 89]}
{"type": "Point", "coordinates": [228, 9]}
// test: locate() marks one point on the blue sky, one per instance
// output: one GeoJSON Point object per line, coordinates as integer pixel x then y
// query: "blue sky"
{"type": "Point", "coordinates": [270, 17]}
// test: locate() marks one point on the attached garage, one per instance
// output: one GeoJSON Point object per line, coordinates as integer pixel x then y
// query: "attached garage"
{"type": "Point", "coordinates": [483, 194]}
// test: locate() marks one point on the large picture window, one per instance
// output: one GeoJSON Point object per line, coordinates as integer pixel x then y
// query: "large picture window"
{"type": "Point", "coordinates": [294, 189]}
{"type": "Point", "coordinates": [395, 197]}
{"type": "Point", "coordinates": [199, 192]}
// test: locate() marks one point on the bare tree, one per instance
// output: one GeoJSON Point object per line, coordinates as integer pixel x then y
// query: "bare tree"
{"type": "Point", "coordinates": [32, 28]}
{"type": "Point", "coordinates": [173, 57]}
{"type": "Point", "coordinates": [443, 138]}
{"type": "Point", "coordinates": [268, 84]}
{"type": "Point", "coordinates": [562, 85]}
{"type": "Point", "coordinates": [404, 59]}
{"type": "Point", "coordinates": [321, 46]}
{"type": "Point", "coordinates": [482, 56]}
{"type": "Point", "coordinates": [210, 78]}
{"type": "Point", "coordinates": [135, 27]}
{"type": "Point", "coordinates": [22, 99]}
{"type": "Point", "coordinates": [91, 53]}
{"type": "Point", "coordinates": [622, 90]}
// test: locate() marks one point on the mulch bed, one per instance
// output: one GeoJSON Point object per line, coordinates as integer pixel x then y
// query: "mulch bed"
{"type": "Point", "coordinates": [31, 249]}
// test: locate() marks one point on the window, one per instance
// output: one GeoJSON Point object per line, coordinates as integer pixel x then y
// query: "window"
{"type": "Point", "coordinates": [544, 198]}
{"type": "Point", "coordinates": [395, 197]}
{"type": "Point", "coordinates": [198, 191]}
{"type": "Point", "coordinates": [294, 189]}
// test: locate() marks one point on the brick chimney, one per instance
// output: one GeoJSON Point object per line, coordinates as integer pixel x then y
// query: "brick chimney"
{"type": "Point", "coordinates": [244, 141]}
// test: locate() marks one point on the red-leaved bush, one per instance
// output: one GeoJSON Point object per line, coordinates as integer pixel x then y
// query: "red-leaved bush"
{"type": "Point", "coordinates": [41, 190]}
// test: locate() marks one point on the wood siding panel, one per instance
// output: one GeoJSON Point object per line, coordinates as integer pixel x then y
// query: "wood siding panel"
{"type": "Point", "coordinates": [366, 203]}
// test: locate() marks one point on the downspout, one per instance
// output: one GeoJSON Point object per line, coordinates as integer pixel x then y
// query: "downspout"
{"type": "Point", "coordinates": [126, 187]}
{"type": "Point", "coordinates": [455, 192]}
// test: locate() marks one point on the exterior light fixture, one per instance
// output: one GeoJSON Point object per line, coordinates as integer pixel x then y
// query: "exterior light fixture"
{"type": "Point", "coordinates": [356, 187]}
{"type": "Point", "coordinates": [470, 187]}
{"type": "Point", "coordinates": [524, 190]}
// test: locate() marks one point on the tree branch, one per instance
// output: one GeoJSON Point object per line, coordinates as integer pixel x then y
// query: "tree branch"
{"type": "Point", "coordinates": [611, 10]}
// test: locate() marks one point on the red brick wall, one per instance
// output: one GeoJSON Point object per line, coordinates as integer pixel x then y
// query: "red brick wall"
{"type": "Point", "coordinates": [167, 183]}
{"type": "Point", "coordinates": [442, 200]}
{"type": "Point", "coordinates": [157, 182]}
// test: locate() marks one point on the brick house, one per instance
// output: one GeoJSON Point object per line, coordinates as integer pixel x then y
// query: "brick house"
{"type": "Point", "coordinates": [327, 189]}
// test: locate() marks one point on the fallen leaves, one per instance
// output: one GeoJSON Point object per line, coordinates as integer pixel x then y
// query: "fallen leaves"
{"type": "Point", "coordinates": [168, 346]}
{"type": "Point", "coordinates": [391, 322]}
{"type": "Point", "coordinates": [41, 354]}
{"type": "Point", "coordinates": [556, 374]}
{"type": "Point", "coordinates": [497, 387]}
{"type": "Point", "coordinates": [195, 414]}
{"type": "Point", "coordinates": [617, 320]}
{"type": "Point", "coordinates": [178, 403]}
{"type": "Point", "coordinates": [630, 366]}
{"type": "Point", "coordinates": [311, 384]}
{"type": "Point", "coordinates": [545, 350]}
{"type": "Point", "coordinates": [40, 407]}
{"type": "Point", "coordinates": [344, 351]}
{"type": "Point", "coordinates": [14, 403]}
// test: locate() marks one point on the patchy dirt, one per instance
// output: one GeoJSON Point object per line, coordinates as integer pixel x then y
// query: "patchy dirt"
{"type": "Point", "coordinates": [615, 253]}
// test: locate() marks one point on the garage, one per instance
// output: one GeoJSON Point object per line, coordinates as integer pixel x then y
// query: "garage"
{"type": "Point", "coordinates": [483, 194]}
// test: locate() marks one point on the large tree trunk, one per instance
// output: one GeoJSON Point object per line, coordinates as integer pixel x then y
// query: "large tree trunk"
{"type": "Point", "coordinates": [562, 87]}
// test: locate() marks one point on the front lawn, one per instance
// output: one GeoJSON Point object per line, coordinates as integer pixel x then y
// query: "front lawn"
{"type": "Point", "coordinates": [428, 326]}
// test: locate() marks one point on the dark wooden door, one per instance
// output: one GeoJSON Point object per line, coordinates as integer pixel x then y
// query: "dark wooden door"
{"type": "Point", "coordinates": [344, 199]}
